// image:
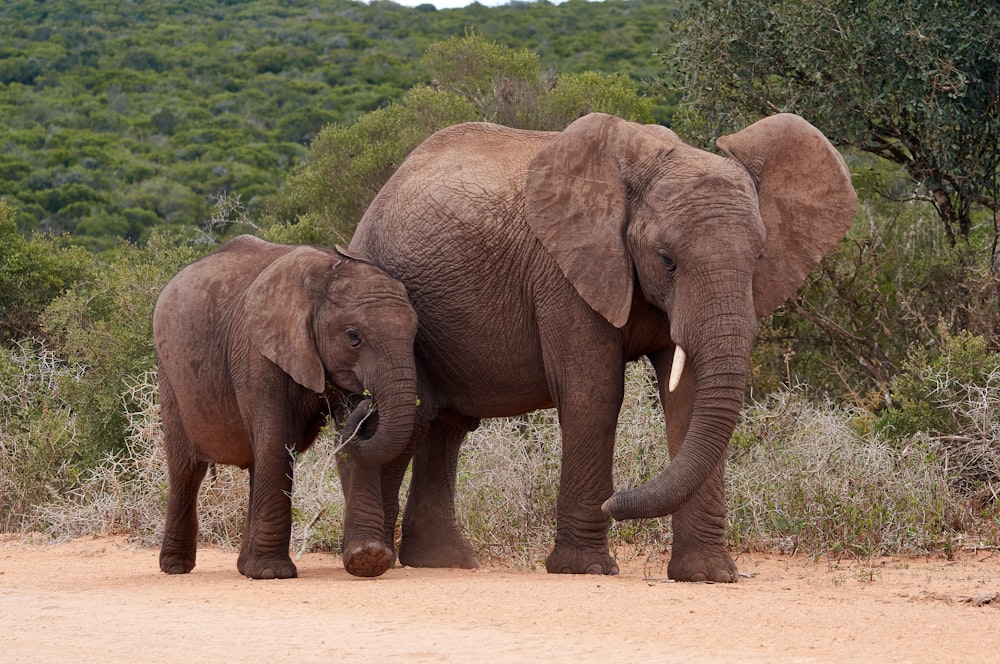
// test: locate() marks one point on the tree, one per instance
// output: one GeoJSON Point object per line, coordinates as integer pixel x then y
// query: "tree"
{"type": "Point", "coordinates": [102, 327]}
{"type": "Point", "coordinates": [32, 274]}
{"type": "Point", "coordinates": [473, 79]}
{"type": "Point", "coordinates": [916, 82]}
{"type": "Point", "coordinates": [508, 86]}
{"type": "Point", "coordinates": [323, 199]}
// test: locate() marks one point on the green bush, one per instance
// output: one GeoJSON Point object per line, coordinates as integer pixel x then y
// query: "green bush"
{"type": "Point", "coordinates": [947, 400]}
{"type": "Point", "coordinates": [102, 327]}
{"type": "Point", "coordinates": [473, 79]}
{"type": "Point", "coordinates": [32, 273]}
{"type": "Point", "coordinates": [323, 200]}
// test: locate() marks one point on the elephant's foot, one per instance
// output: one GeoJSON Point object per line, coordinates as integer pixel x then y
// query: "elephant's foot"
{"type": "Point", "coordinates": [570, 560]}
{"type": "Point", "coordinates": [176, 563]}
{"type": "Point", "coordinates": [266, 567]}
{"type": "Point", "coordinates": [700, 566]}
{"type": "Point", "coordinates": [370, 558]}
{"type": "Point", "coordinates": [177, 554]}
{"type": "Point", "coordinates": [437, 552]}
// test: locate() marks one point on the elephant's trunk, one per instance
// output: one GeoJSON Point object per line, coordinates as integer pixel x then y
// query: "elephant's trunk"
{"type": "Point", "coordinates": [391, 416]}
{"type": "Point", "coordinates": [719, 390]}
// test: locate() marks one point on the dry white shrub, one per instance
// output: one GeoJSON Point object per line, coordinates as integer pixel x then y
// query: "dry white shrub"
{"type": "Point", "coordinates": [815, 478]}
{"type": "Point", "coordinates": [971, 458]}
{"type": "Point", "coordinates": [126, 493]}
{"type": "Point", "coordinates": [509, 478]}
{"type": "Point", "coordinates": [799, 476]}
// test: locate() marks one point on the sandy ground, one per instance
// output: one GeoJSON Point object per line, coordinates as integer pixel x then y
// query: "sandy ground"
{"type": "Point", "coordinates": [105, 600]}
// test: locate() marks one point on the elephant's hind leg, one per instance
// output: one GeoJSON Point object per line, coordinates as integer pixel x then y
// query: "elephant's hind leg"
{"type": "Point", "coordinates": [431, 537]}
{"type": "Point", "coordinates": [180, 534]}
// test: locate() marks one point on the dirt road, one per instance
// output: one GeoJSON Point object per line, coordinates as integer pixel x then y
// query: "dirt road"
{"type": "Point", "coordinates": [104, 600]}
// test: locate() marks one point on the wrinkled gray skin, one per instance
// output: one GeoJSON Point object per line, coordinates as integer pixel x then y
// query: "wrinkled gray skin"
{"type": "Point", "coordinates": [541, 263]}
{"type": "Point", "coordinates": [258, 344]}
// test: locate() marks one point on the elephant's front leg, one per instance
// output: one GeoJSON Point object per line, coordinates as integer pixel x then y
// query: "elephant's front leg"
{"type": "Point", "coordinates": [365, 549]}
{"type": "Point", "coordinates": [699, 551]}
{"type": "Point", "coordinates": [431, 537]}
{"type": "Point", "coordinates": [264, 551]}
{"type": "Point", "coordinates": [588, 431]}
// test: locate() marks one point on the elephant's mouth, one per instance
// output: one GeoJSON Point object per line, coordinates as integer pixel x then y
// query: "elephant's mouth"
{"type": "Point", "coordinates": [361, 422]}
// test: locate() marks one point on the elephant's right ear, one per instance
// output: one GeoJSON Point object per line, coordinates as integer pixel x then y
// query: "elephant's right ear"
{"type": "Point", "coordinates": [575, 206]}
{"type": "Point", "coordinates": [807, 202]}
{"type": "Point", "coordinates": [279, 309]}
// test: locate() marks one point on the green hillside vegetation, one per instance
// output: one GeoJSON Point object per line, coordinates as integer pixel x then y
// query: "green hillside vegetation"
{"type": "Point", "coordinates": [120, 118]}
{"type": "Point", "coordinates": [137, 136]}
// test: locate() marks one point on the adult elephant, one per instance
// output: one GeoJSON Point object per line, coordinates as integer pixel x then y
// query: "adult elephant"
{"type": "Point", "coordinates": [541, 263]}
{"type": "Point", "coordinates": [259, 344]}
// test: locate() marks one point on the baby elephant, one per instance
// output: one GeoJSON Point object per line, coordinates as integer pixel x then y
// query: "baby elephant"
{"type": "Point", "coordinates": [258, 344]}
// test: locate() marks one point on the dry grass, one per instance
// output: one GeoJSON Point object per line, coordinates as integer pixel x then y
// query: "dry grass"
{"type": "Point", "coordinates": [807, 478]}
{"type": "Point", "coordinates": [126, 493]}
{"type": "Point", "coordinates": [800, 477]}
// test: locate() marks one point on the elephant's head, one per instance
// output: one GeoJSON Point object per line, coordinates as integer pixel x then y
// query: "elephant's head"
{"type": "Point", "coordinates": [714, 242]}
{"type": "Point", "coordinates": [328, 317]}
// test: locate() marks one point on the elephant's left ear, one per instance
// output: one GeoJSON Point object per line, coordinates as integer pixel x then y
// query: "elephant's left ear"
{"type": "Point", "coordinates": [575, 204]}
{"type": "Point", "coordinates": [807, 202]}
{"type": "Point", "coordinates": [278, 310]}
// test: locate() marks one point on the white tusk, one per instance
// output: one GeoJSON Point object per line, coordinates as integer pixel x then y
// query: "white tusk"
{"type": "Point", "coordinates": [676, 369]}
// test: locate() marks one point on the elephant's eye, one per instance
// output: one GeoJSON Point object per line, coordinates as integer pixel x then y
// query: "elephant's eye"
{"type": "Point", "coordinates": [668, 262]}
{"type": "Point", "coordinates": [354, 338]}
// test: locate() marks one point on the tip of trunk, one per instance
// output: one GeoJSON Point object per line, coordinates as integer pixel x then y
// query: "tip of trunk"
{"type": "Point", "coordinates": [664, 494]}
{"type": "Point", "coordinates": [640, 503]}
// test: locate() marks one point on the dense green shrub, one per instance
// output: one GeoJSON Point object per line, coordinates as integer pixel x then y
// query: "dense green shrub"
{"type": "Point", "coordinates": [947, 401]}
{"type": "Point", "coordinates": [32, 273]}
{"type": "Point", "coordinates": [323, 200]}
{"type": "Point", "coordinates": [129, 93]}
{"type": "Point", "coordinates": [881, 292]}
{"type": "Point", "coordinates": [102, 328]}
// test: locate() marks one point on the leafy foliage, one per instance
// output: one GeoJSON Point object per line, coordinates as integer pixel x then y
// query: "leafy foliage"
{"type": "Point", "coordinates": [118, 119]}
{"type": "Point", "coordinates": [883, 290]}
{"type": "Point", "coordinates": [102, 327]}
{"type": "Point", "coordinates": [914, 89]}
{"type": "Point", "coordinates": [324, 198]}
{"type": "Point", "coordinates": [32, 273]}
{"type": "Point", "coordinates": [916, 83]}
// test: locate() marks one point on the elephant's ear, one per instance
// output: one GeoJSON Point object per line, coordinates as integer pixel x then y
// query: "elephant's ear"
{"type": "Point", "coordinates": [279, 309]}
{"type": "Point", "coordinates": [807, 202]}
{"type": "Point", "coordinates": [575, 204]}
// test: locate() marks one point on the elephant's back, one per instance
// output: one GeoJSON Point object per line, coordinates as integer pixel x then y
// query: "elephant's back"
{"type": "Point", "coordinates": [215, 279]}
{"type": "Point", "coordinates": [449, 224]}
{"type": "Point", "coordinates": [197, 309]}
{"type": "Point", "coordinates": [461, 188]}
